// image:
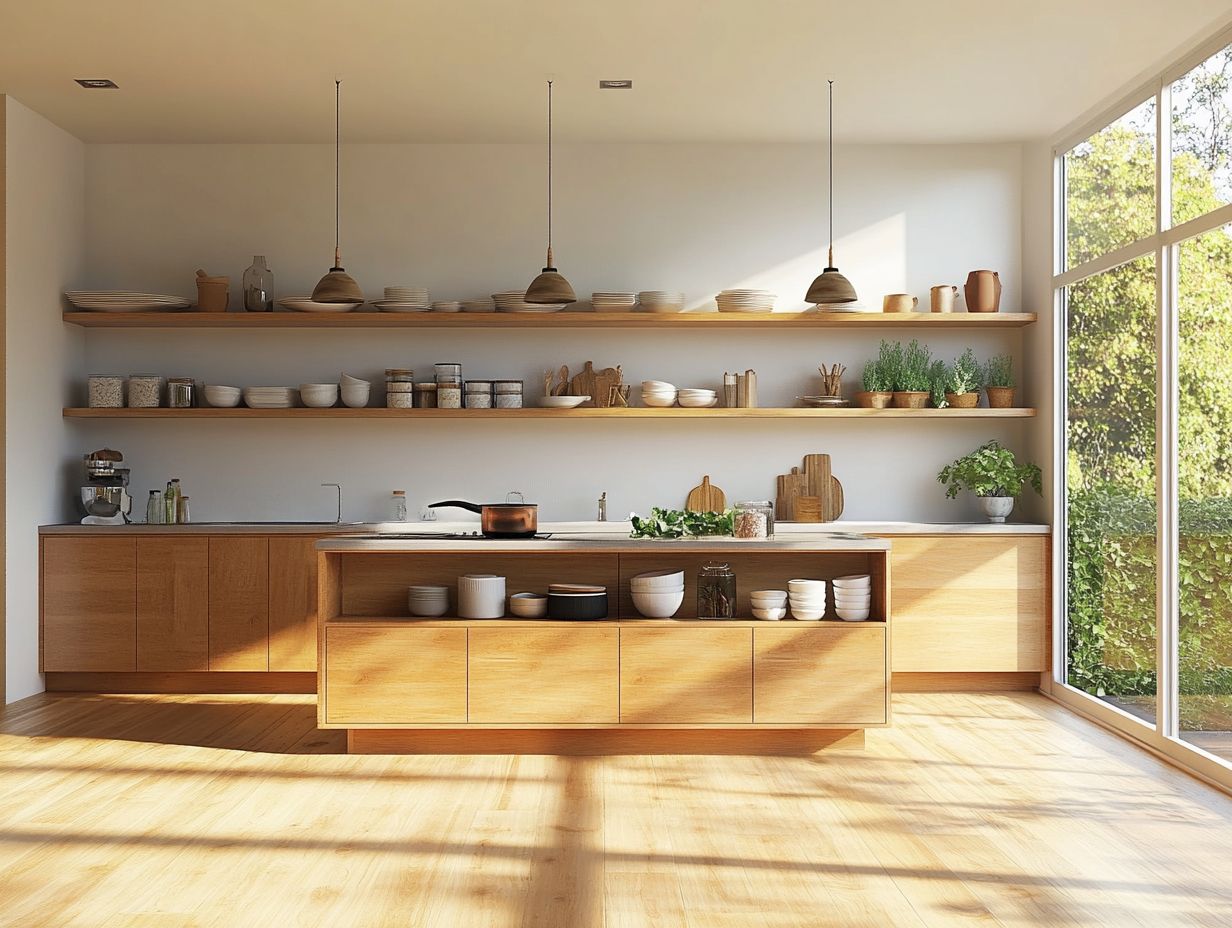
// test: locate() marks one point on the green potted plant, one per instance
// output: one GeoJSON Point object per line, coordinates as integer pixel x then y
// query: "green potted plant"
{"type": "Point", "coordinates": [999, 381]}
{"type": "Point", "coordinates": [878, 382]}
{"type": "Point", "coordinates": [994, 475]}
{"type": "Point", "coordinates": [963, 380]}
{"type": "Point", "coordinates": [913, 383]}
{"type": "Point", "coordinates": [938, 376]}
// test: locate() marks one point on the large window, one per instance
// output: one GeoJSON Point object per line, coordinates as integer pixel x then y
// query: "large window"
{"type": "Point", "coordinates": [1202, 138]}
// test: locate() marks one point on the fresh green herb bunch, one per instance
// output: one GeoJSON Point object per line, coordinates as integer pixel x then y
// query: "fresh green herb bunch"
{"type": "Point", "coordinates": [875, 379]}
{"type": "Point", "coordinates": [677, 523]}
{"type": "Point", "coordinates": [915, 374]}
{"type": "Point", "coordinates": [939, 377]}
{"type": "Point", "coordinates": [890, 364]}
{"type": "Point", "coordinates": [989, 470]}
{"type": "Point", "coordinates": [999, 371]}
{"type": "Point", "coordinates": [965, 374]}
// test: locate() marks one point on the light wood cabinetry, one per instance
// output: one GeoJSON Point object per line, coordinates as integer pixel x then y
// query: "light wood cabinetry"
{"type": "Point", "coordinates": [89, 604]}
{"type": "Point", "coordinates": [689, 675]}
{"type": "Point", "coordinates": [292, 603]}
{"type": "Point", "coordinates": [239, 603]}
{"type": "Point", "coordinates": [172, 603]}
{"type": "Point", "coordinates": [831, 674]}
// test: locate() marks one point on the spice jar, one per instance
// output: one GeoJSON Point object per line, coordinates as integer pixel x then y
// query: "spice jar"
{"type": "Point", "coordinates": [144, 390]}
{"type": "Point", "coordinates": [425, 396]}
{"type": "Point", "coordinates": [716, 591]}
{"type": "Point", "coordinates": [753, 518]}
{"type": "Point", "coordinates": [106, 391]}
{"type": "Point", "coordinates": [180, 392]}
{"type": "Point", "coordinates": [507, 394]}
{"type": "Point", "coordinates": [449, 394]}
{"type": "Point", "coordinates": [399, 375]}
{"type": "Point", "coordinates": [448, 371]}
{"type": "Point", "coordinates": [479, 394]}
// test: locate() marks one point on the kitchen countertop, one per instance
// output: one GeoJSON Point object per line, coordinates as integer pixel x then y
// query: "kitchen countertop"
{"type": "Point", "coordinates": [814, 541]}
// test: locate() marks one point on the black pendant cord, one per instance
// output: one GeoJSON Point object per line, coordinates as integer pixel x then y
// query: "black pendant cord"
{"type": "Point", "coordinates": [831, 135]}
{"type": "Point", "coordinates": [549, 168]}
{"type": "Point", "coordinates": [337, 170]}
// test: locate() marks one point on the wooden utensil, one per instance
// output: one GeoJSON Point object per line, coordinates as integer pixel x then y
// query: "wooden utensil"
{"type": "Point", "coordinates": [706, 498]}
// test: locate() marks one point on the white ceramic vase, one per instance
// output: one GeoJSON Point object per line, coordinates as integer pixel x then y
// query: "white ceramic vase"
{"type": "Point", "coordinates": [997, 507]}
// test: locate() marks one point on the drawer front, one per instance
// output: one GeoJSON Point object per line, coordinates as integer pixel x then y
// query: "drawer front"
{"type": "Point", "coordinates": [688, 675]}
{"type": "Point", "coordinates": [89, 590]}
{"type": "Point", "coordinates": [544, 676]}
{"type": "Point", "coordinates": [173, 578]}
{"type": "Point", "coordinates": [395, 676]}
{"type": "Point", "coordinates": [830, 675]}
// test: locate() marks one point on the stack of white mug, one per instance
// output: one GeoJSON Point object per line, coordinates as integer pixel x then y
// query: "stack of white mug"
{"type": "Point", "coordinates": [481, 596]}
{"type": "Point", "coordinates": [853, 597]}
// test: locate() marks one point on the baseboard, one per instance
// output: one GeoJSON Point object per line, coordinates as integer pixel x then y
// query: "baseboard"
{"type": "Point", "coordinates": [965, 682]}
{"type": "Point", "coordinates": [599, 741]}
{"type": "Point", "coordinates": [184, 682]}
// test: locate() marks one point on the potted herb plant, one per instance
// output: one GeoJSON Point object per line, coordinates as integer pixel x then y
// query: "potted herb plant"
{"type": "Point", "coordinates": [963, 379]}
{"type": "Point", "coordinates": [878, 383]}
{"type": "Point", "coordinates": [994, 475]}
{"type": "Point", "coordinates": [999, 381]}
{"type": "Point", "coordinates": [938, 375]}
{"type": "Point", "coordinates": [912, 385]}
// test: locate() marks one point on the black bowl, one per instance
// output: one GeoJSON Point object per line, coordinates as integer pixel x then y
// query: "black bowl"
{"type": "Point", "coordinates": [577, 606]}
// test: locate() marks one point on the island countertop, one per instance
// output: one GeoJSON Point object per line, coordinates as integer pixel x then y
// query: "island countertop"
{"type": "Point", "coordinates": [816, 541]}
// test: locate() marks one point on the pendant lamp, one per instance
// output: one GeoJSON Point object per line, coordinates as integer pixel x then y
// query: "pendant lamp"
{"type": "Point", "coordinates": [550, 286]}
{"type": "Point", "coordinates": [830, 286]}
{"type": "Point", "coordinates": [337, 286]}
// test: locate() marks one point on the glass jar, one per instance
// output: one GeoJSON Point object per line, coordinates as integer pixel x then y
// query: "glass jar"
{"type": "Point", "coordinates": [449, 394]}
{"type": "Point", "coordinates": [144, 390]}
{"type": "Point", "coordinates": [754, 518]}
{"type": "Point", "coordinates": [106, 391]}
{"type": "Point", "coordinates": [448, 371]}
{"type": "Point", "coordinates": [425, 396]}
{"type": "Point", "coordinates": [258, 286]}
{"type": "Point", "coordinates": [399, 375]}
{"type": "Point", "coordinates": [155, 513]}
{"type": "Point", "coordinates": [398, 505]}
{"type": "Point", "coordinates": [180, 392]}
{"type": "Point", "coordinates": [478, 394]}
{"type": "Point", "coordinates": [507, 394]}
{"type": "Point", "coordinates": [716, 591]}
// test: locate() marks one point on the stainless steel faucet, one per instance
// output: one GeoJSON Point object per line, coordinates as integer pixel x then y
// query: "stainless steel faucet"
{"type": "Point", "coordinates": [603, 506]}
{"type": "Point", "coordinates": [338, 487]}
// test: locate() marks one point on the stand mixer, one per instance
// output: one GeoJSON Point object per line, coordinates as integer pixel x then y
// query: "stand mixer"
{"type": "Point", "coordinates": [104, 496]}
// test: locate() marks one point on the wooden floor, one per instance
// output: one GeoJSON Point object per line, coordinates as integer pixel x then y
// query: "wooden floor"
{"type": "Point", "coordinates": [162, 812]}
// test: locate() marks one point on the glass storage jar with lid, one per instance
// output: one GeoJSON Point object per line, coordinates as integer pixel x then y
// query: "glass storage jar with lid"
{"type": "Point", "coordinates": [753, 518]}
{"type": "Point", "coordinates": [144, 390]}
{"type": "Point", "coordinates": [106, 391]}
{"type": "Point", "coordinates": [716, 591]}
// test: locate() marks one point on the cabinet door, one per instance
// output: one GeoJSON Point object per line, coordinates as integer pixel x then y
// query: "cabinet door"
{"type": "Point", "coordinates": [239, 603]}
{"type": "Point", "coordinates": [292, 603]}
{"type": "Point", "coordinates": [172, 603]}
{"type": "Point", "coordinates": [89, 604]}
{"type": "Point", "coordinates": [394, 676]}
{"type": "Point", "coordinates": [544, 676]}
{"type": "Point", "coordinates": [828, 676]}
{"type": "Point", "coordinates": [693, 675]}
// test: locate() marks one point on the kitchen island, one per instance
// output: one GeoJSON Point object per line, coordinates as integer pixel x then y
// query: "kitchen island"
{"type": "Point", "coordinates": [626, 683]}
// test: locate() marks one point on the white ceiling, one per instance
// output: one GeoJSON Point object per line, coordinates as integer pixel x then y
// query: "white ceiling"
{"type": "Point", "coordinates": [472, 70]}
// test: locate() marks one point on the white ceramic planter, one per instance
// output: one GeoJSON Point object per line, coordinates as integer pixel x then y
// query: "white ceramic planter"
{"type": "Point", "coordinates": [997, 507]}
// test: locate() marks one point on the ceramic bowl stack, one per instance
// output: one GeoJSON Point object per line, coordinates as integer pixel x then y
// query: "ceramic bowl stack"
{"type": "Point", "coordinates": [577, 602]}
{"type": "Point", "coordinates": [355, 392]}
{"type": "Point", "coordinates": [528, 605]}
{"type": "Point", "coordinates": [769, 605]}
{"type": "Point", "coordinates": [478, 306]}
{"type": "Point", "coordinates": [306, 304]}
{"type": "Point", "coordinates": [124, 301]}
{"type": "Point", "coordinates": [222, 397]}
{"type": "Point", "coordinates": [514, 301]}
{"type": "Point", "coordinates": [613, 301]}
{"type": "Point", "coordinates": [658, 594]}
{"type": "Point", "coordinates": [808, 599]}
{"type": "Point", "coordinates": [481, 596]}
{"type": "Point", "coordinates": [658, 393]}
{"type": "Point", "coordinates": [696, 398]}
{"type": "Point", "coordinates": [318, 395]}
{"type": "Point", "coordinates": [269, 397]}
{"type": "Point", "coordinates": [403, 300]}
{"type": "Point", "coordinates": [746, 301]}
{"type": "Point", "coordinates": [661, 301]}
{"type": "Point", "coordinates": [427, 601]}
{"type": "Point", "coordinates": [853, 597]}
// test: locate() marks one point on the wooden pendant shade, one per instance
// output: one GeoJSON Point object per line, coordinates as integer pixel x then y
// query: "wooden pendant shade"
{"type": "Point", "coordinates": [831, 287]}
{"type": "Point", "coordinates": [550, 286]}
{"type": "Point", "coordinates": [337, 287]}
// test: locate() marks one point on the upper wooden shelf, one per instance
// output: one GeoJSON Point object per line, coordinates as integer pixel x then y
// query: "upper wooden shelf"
{"type": "Point", "coordinates": [561, 320]}
{"type": "Point", "coordinates": [535, 412]}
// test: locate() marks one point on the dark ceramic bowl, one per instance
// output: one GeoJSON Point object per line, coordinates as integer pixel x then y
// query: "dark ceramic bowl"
{"type": "Point", "coordinates": [577, 606]}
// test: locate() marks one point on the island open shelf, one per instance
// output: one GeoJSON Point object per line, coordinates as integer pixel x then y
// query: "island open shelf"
{"type": "Point", "coordinates": [534, 412]}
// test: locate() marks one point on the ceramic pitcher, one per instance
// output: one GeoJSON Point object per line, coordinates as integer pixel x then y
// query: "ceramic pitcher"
{"type": "Point", "coordinates": [943, 298]}
{"type": "Point", "coordinates": [983, 292]}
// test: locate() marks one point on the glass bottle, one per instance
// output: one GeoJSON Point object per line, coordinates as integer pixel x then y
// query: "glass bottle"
{"type": "Point", "coordinates": [171, 500]}
{"type": "Point", "coordinates": [154, 511]}
{"type": "Point", "coordinates": [399, 505]}
{"type": "Point", "coordinates": [258, 286]}
{"type": "Point", "coordinates": [181, 510]}
{"type": "Point", "coordinates": [716, 591]}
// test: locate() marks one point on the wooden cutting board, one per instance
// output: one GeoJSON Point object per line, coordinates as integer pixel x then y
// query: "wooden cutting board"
{"type": "Point", "coordinates": [790, 486]}
{"type": "Point", "coordinates": [595, 384]}
{"type": "Point", "coordinates": [706, 498]}
{"type": "Point", "coordinates": [815, 481]}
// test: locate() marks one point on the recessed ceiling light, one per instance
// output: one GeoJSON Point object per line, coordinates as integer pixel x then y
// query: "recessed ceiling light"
{"type": "Point", "coordinates": [615, 85]}
{"type": "Point", "coordinates": [98, 83]}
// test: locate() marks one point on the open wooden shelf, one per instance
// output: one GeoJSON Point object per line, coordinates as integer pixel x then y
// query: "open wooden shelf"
{"type": "Point", "coordinates": [633, 621]}
{"type": "Point", "coordinates": [563, 320]}
{"type": "Point", "coordinates": [636, 412]}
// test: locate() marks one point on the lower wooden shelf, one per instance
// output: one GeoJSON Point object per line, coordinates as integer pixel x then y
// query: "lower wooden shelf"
{"type": "Point", "coordinates": [636, 412]}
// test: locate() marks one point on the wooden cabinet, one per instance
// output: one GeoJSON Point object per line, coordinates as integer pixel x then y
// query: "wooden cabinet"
{"type": "Point", "coordinates": [827, 674]}
{"type": "Point", "coordinates": [544, 675]}
{"type": "Point", "coordinates": [292, 603]}
{"type": "Point", "coordinates": [394, 676]}
{"type": "Point", "coordinates": [172, 603]}
{"type": "Point", "coordinates": [969, 603]}
{"type": "Point", "coordinates": [690, 675]}
{"type": "Point", "coordinates": [89, 604]}
{"type": "Point", "coordinates": [239, 603]}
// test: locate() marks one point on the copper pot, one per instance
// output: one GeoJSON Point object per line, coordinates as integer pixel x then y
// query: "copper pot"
{"type": "Point", "coordinates": [501, 520]}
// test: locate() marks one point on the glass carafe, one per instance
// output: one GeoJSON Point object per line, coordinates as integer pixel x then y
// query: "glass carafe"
{"type": "Point", "coordinates": [716, 592]}
{"type": "Point", "coordinates": [259, 286]}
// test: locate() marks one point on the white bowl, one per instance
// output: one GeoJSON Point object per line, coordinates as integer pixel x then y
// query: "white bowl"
{"type": "Point", "coordinates": [658, 385]}
{"type": "Point", "coordinates": [562, 402]}
{"type": "Point", "coordinates": [846, 596]}
{"type": "Point", "coordinates": [853, 586]}
{"type": "Point", "coordinates": [528, 605]}
{"type": "Point", "coordinates": [659, 400]}
{"type": "Point", "coordinates": [348, 379]}
{"type": "Point", "coordinates": [658, 605]}
{"type": "Point", "coordinates": [808, 605]}
{"type": "Point", "coordinates": [222, 397]}
{"type": "Point", "coordinates": [853, 580]}
{"type": "Point", "coordinates": [807, 615]}
{"type": "Point", "coordinates": [853, 615]}
{"type": "Point", "coordinates": [768, 594]}
{"type": "Point", "coordinates": [356, 397]}
{"type": "Point", "coordinates": [698, 391]}
{"type": "Point", "coordinates": [318, 395]}
{"type": "Point", "coordinates": [770, 614]}
{"type": "Point", "coordinates": [689, 402]}
{"type": "Point", "coordinates": [808, 586]}
{"type": "Point", "coordinates": [654, 580]}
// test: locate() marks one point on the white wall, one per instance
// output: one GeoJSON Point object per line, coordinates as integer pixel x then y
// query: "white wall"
{"type": "Point", "coordinates": [45, 218]}
{"type": "Point", "coordinates": [1037, 289]}
{"type": "Point", "coordinates": [468, 220]}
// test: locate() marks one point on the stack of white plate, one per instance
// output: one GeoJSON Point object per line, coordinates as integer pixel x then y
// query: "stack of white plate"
{"type": "Point", "coordinates": [428, 601]}
{"type": "Point", "coordinates": [404, 300]}
{"type": "Point", "coordinates": [853, 597]}
{"type": "Point", "coordinates": [661, 301]}
{"type": "Point", "coordinates": [478, 306]}
{"type": "Point", "coordinates": [306, 304]}
{"type": "Point", "coordinates": [769, 605]}
{"type": "Point", "coordinates": [694, 398]}
{"type": "Point", "coordinates": [658, 594]}
{"type": "Point", "coordinates": [124, 301]}
{"type": "Point", "coordinates": [613, 301]}
{"type": "Point", "coordinates": [269, 397]}
{"type": "Point", "coordinates": [481, 596]}
{"type": "Point", "coordinates": [514, 301]}
{"type": "Point", "coordinates": [658, 393]}
{"type": "Point", "coordinates": [844, 308]}
{"type": "Point", "coordinates": [745, 301]}
{"type": "Point", "coordinates": [808, 599]}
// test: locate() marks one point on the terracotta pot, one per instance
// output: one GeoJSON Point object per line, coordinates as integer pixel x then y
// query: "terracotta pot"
{"type": "Point", "coordinates": [1000, 397]}
{"type": "Point", "coordinates": [963, 400]}
{"type": "Point", "coordinates": [866, 400]}
{"type": "Point", "coordinates": [911, 399]}
{"type": "Point", "coordinates": [983, 292]}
